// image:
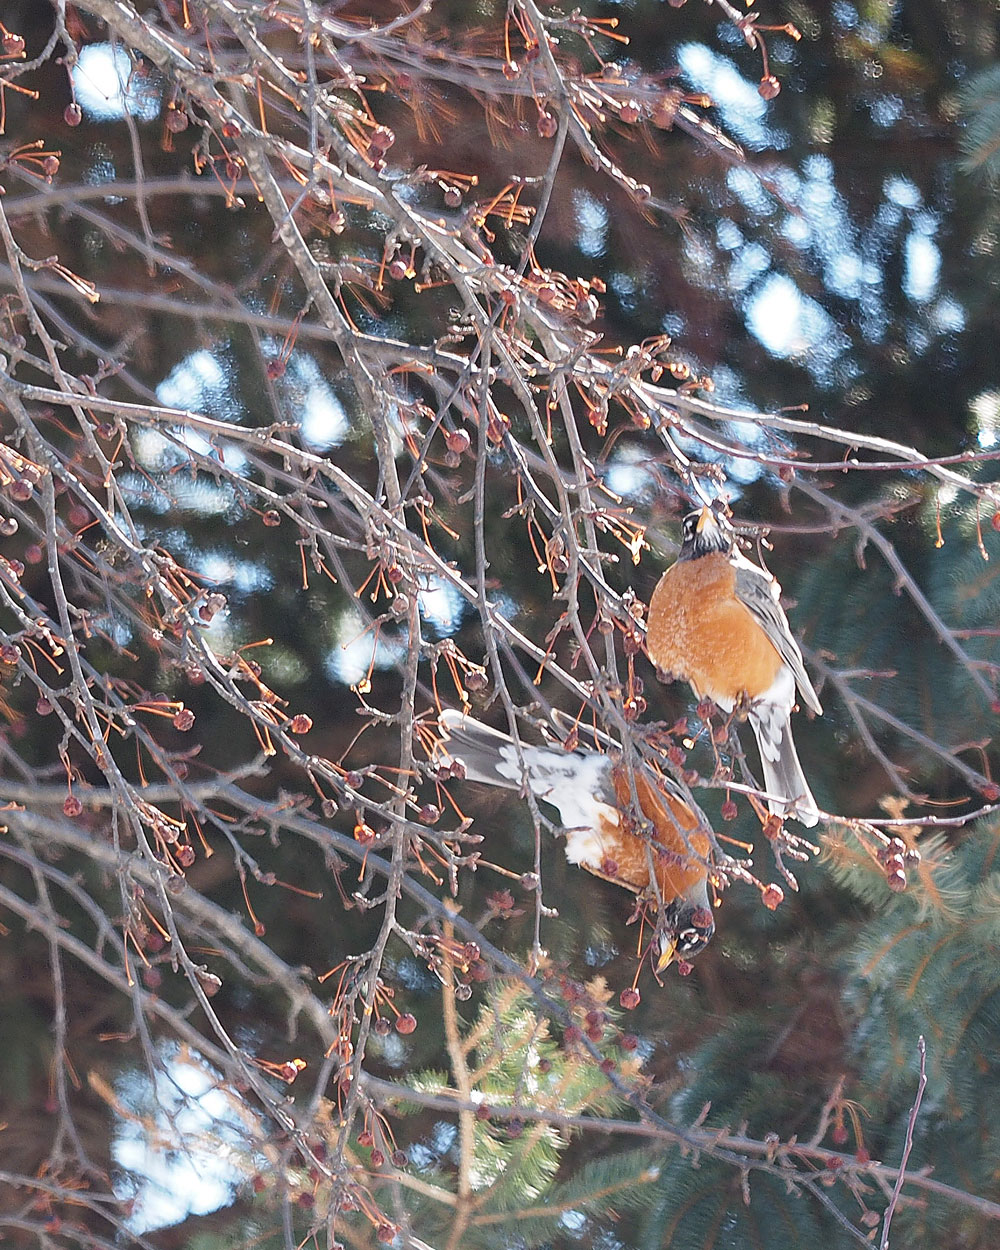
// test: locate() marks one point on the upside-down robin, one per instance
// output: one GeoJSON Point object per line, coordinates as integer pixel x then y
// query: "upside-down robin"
{"type": "Point", "coordinates": [592, 794]}
{"type": "Point", "coordinates": [715, 620]}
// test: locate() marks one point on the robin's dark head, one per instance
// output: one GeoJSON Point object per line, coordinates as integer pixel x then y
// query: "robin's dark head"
{"type": "Point", "coordinates": [702, 532]}
{"type": "Point", "coordinates": [685, 929]}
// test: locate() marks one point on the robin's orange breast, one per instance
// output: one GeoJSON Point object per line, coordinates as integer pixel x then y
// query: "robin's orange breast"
{"type": "Point", "coordinates": [698, 630]}
{"type": "Point", "coordinates": [676, 868]}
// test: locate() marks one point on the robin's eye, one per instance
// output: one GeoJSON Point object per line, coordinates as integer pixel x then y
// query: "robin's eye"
{"type": "Point", "coordinates": [688, 938]}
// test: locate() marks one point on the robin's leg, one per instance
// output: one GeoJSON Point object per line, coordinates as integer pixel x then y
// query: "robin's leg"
{"type": "Point", "coordinates": [741, 708]}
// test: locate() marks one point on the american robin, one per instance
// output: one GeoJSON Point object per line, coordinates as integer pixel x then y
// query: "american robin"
{"type": "Point", "coordinates": [592, 794]}
{"type": "Point", "coordinates": [714, 619]}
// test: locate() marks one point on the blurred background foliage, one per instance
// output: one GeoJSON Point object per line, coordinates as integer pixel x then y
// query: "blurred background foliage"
{"type": "Point", "coordinates": [850, 268]}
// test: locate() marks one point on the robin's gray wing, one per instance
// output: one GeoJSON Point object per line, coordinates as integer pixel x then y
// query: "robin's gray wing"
{"type": "Point", "coordinates": [755, 589]}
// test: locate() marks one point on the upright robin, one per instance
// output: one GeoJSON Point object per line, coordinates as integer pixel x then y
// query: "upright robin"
{"type": "Point", "coordinates": [592, 795]}
{"type": "Point", "coordinates": [714, 620]}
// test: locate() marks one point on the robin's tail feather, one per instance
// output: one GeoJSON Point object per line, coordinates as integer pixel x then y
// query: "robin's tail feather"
{"type": "Point", "coordinates": [783, 776]}
{"type": "Point", "coordinates": [489, 756]}
{"type": "Point", "coordinates": [575, 782]}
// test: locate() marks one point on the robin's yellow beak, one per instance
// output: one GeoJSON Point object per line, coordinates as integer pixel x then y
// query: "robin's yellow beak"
{"type": "Point", "coordinates": [667, 952]}
{"type": "Point", "coordinates": [704, 518]}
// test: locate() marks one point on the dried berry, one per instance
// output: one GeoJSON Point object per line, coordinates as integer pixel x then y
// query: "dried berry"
{"type": "Point", "coordinates": [271, 518]}
{"type": "Point", "coordinates": [381, 140]}
{"type": "Point", "coordinates": [629, 111]}
{"type": "Point", "coordinates": [73, 114]}
{"type": "Point", "coordinates": [184, 720]}
{"type": "Point", "coordinates": [382, 1027]}
{"type": "Point", "coordinates": [768, 87]}
{"type": "Point", "coordinates": [406, 1023]}
{"type": "Point", "coordinates": [176, 121]}
{"type": "Point", "coordinates": [386, 1233]}
{"type": "Point", "coordinates": [377, 1158]}
{"type": "Point", "coordinates": [300, 723]}
{"type": "Point", "coordinates": [772, 897]}
{"type": "Point", "coordinates": [13, 45]}
{"type": "Point", "coordinates": [896, 881]}
{"type": "Point", "coordinates": [476, 680]}
{"type": "Point", "coordinates": [209, 982]}
{"type": "Point", "coordinates": [72, 806]}
{"type": "Point", "coordinates": [399, 1159]}
{"type": "Point", "coordinates": [364, 834]}
{"type": "Point", "coordinates": [547, 125]}
{"type": "Point", "coordinates": [729, 810]}
{"type": "Point", "coordinates": [630, 998]}
{"type": "Point", "coordinates": [500, 900]}
{"type": "Point", "coordinates": [458, 441]}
